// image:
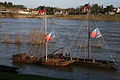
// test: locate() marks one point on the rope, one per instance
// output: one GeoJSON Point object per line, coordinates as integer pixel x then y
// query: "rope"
{"type": "Point", "coordinates": [84, 33]}
{"type": "Point", "coordinates": [74, 38]}
{"type": "Point", "coordinates": [59, 39]}
{"type": "Point", "coordinates": [106, 46]}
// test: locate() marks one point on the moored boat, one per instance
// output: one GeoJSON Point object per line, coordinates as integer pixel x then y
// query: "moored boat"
{"type": "Point", "coordinates": [52, 61]}
{"type": "Point", "coordinates": [24, 58]}
{"type": "Point", "coordinates": [87, 45]}
{"type": "Point", "coordinates": [33, 55]}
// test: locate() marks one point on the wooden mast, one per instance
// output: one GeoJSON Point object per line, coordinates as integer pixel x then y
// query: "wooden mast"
{"type": "Point", "coordinates": [46, 44]}
{"type": "Point", "coordinates": [89, 40]}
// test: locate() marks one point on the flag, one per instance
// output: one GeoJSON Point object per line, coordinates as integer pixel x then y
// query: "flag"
{"type": "Point", "coordinates": [96, 33]}
{"type": "Point", "coordinates": [50, 36]}
{"type": "Point", "coordinates": [85, 7]}
{"type": "Point", "coordinates": [41, 10]}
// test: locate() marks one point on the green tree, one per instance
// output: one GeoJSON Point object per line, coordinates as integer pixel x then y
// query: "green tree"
{"type": "Point", "coordinates": [110, 8]}
{"type": "Point", "coordinates": [5, 4]}
{"type": "Point", "coordinates": [10, 4]}
{"type": "Point", "coordinates": [95, 8]}
{"type": "Point", "coordinates": [50, 10]}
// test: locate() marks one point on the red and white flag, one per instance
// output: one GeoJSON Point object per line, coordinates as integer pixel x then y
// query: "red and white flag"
{"type": "Point", "coordinates": [41, 10]}
{"type": "Point", "coordinates": [50, 36]}
{"type": "Point", "coordinates": [96, 33]}
{"type": "Point", "coordinates": [85, 7]}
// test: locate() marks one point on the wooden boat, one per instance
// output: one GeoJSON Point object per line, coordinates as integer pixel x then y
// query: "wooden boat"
{"type": "Point", "coordinates": [87, 49]}
{"type": "Point", "coordinates": [52, 61]}
{"type": "Point", "coordinates": [27, 57]}
{"type": "Point", "coordinates": [57, 59]}
{"type": "Point", "coordinates": [57, 62]}
{"type": "Point", "coordinates": [24, 58]}
{"type": "Point", "coordinates": [95, 63]}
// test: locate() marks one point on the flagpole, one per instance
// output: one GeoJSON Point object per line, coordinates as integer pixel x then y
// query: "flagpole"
{"type": "Point", "coordinates": [89, 40]}
{"type": "Point", "coordinates": [46, 44]}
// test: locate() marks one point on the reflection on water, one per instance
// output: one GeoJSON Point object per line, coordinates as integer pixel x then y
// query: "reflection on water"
{"type": "Point", "coordinates": [66, 30]}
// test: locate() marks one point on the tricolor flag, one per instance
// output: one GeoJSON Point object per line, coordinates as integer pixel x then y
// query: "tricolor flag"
{"type": "Point", "coordinates": [96, 33]}
{"type": "Point", "coordinates": [41, 10]}
{"type": "Point", "coordinates": [85, 7]}
{"type": "Point", "coordinates": [50, 36]}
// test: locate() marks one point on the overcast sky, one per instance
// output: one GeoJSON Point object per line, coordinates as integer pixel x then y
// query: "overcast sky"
{"type": "Point", "coordinates": [62, 3]}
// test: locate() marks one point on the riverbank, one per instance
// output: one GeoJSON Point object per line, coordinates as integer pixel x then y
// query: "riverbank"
{"type": "Point", "coordinates": [114, 17]}
{"type": "Point", "coordinates": [12, 76]}
{"type": "Point", "coordinates": [10, 73]}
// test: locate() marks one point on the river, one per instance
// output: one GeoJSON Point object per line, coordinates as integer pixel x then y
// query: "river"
{"type": "Point", "coordinates": [67, 30]}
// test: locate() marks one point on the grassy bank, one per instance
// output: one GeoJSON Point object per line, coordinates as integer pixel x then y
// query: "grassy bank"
{"type": "Point", "coordinates": [115, 17]}
{"type": "Point", "coordinates": [17, 16]}
{"type": "Point", "coordinates": [11, 76]}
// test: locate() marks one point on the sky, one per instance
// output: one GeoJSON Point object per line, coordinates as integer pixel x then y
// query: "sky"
{"type": "Point", "coordinates": [62, 3]}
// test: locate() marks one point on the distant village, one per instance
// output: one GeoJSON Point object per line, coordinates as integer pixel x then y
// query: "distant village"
{"type": "Point", "coordinates": [10, 8]}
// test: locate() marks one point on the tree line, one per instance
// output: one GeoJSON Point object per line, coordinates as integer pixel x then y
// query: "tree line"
{"type": "Point", "coordinates": [94, 8]}
{"type": "Point", "coordinates": [11, 5]}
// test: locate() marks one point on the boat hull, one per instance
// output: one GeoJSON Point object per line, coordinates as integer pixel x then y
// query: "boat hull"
{"type": "Point", "coordinates": [95, 63]}
{"type": "Point", "coordinates": [24, 58]}
{"type": "Point", "coordinates": [59, 62]}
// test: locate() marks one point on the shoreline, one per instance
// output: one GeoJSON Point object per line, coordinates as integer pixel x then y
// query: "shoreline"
{"type": "Point", "coordinates": [12, 74]}
{"type": "Point", "coordinates": [96, 17]}
{"type": "Point", "coordinates": [115, 17]}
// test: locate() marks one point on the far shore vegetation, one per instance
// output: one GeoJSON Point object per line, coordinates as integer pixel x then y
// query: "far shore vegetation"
{"type": "Point", "coordinates": [110, 13]}
{"type": "Point", "coordinates": [98, 17]}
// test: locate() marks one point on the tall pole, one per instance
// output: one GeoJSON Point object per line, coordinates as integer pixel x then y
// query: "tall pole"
{"type": "Point", "coordinates": [46, 44]}
{"type": "Point", "coordinates": [89, 40]}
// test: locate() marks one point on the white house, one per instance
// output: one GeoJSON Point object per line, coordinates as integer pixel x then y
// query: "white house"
{"type": "Point", "coordinates": [118, 10]}
{"type": "Point", "coordinates": [58, 12]}
{"type": "Point", "coordinates": [23, 12]}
